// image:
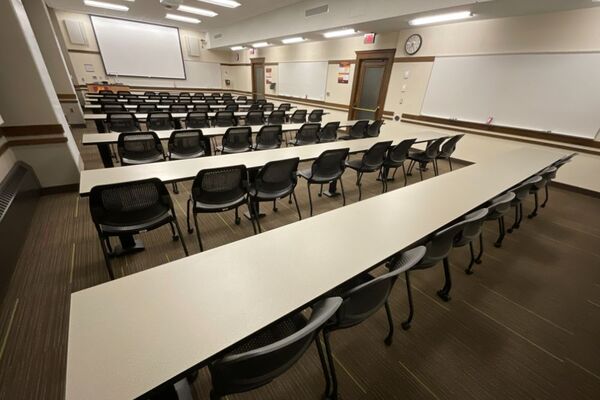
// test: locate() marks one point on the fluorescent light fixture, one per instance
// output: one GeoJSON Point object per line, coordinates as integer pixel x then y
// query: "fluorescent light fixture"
{"type": "Point", "coordinates": [108, 6]}
{"type": "Point", "coordinates": [223, 3]}
{"type": "Point", "coordinates": [197, 11]}
{"type": "Point", "coordinates": [181, 18]}
{"type": "Point", "coordinates": [260, 44]}
{"type": "Point", "coordinates": [433, 19]}
{"type": "Point", "coordinates": [293, 40]}
{"type": "Point", "coordinates": [343, 32]}
{"type": "Point", "coordinates": [236, 48]}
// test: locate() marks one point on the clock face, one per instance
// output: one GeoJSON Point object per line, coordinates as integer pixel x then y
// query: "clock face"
{"type": "Point", "coordinates": [413, 44]}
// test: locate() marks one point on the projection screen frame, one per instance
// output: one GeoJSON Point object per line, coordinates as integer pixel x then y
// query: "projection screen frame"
{"type": "Point", "coordinates": [145, 23]}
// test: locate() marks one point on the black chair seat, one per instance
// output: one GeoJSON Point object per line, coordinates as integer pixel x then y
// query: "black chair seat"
{"type": "Point", "coordinates": [135, 222]}
{"type": "Point", "coordinates": [307, 174]}
{"type": "Point", "coordinates": [274, 195]}
{"type": "Point", "coordinates": [177, 156]}
{"type": "Point", "coordinates": [418, 155]}
{"type": "Point", "coordinates": [266, 147]}
{"type": "Point", "coordinates": [357, 165]}
{"type": "Point", "coordinates": [198, 205]}
{"type": "Point", "coordinates": [146, 160]}
{"type": "Point", "coordinates": [230, 150]}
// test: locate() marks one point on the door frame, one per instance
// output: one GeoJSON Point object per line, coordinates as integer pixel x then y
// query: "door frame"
{"type": "Point", "coordinates": [258, 62]}
{"type": "Point", "coordinates": [385, 55]}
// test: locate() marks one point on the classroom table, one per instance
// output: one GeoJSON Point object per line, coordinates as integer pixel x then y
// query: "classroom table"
{"type": "Point", "coordinates": [94, 107]}
{"type": "Point", "coordinates": [125, 339]}
{"type": "Point", "coordinates": [142, 116]}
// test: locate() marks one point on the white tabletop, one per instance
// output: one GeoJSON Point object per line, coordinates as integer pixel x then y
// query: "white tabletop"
{"type": "Point", "coordinates": [150, 101]}
{"type": "Point", "coordinates": [97, 106]}
{"type": "Point", "coordinates": [142, 116]}
{"type": "Point", "coordinates": [113, 137]}
{"type": "Point", "coordinates": [187, 169]}
{"type": "Point", "coordinates": [130, 335]}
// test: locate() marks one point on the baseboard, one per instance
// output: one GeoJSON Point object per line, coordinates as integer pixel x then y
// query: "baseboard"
{"type": "Point", "coordinates": [576, 189]}
{"type": "Point", "coordinates": [78, 125]}
{"type": "Point", "coordinates": [60, 189]}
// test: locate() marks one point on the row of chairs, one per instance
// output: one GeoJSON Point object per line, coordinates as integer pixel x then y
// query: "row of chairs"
{"type": "Point", "coordinates": [173, 100]}
{"type": "Point", "coordinates": [122, 93]}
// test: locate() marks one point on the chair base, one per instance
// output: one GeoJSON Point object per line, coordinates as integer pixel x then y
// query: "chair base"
{"type": "Point", "coordinates": [133, 246]}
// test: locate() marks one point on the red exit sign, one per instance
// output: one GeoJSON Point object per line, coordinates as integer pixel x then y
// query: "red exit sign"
{"type": "Point", "coordinates": [369, 38]}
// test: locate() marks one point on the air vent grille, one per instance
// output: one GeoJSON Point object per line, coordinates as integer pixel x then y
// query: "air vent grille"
{"type": "Point", "coordinates": [218, 36]}
{"type": "Point", "coordinates": [9, 187]}
{"type": "Point", "coordinates": [311, 12]}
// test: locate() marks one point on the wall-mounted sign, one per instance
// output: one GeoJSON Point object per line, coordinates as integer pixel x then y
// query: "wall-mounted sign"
{"type": "Point", "coordinates": [369, 38]}
{"type": "Point", "coordinates": [269, 75]}
{"type": "Point", "coordinates": [344, 72]}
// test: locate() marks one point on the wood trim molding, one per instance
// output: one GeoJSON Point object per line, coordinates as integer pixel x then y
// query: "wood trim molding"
{"type": "Point", "coordinates": [66, 96]}
{"type": "Point", "coordinates": [33, 142]}
{"type": "Point", "coordinates": [414, 59]}
{"type": "Point", "coordinates": [236, 65]}
{"type": "Point", "coordinates": [83, 51]}
{"type": "Point", "coordinates": [509, 130]}
{"type": "Point", "coordinates": [31, 130]}
{"type": "Point", "coordinates": [513, 138]}
{"type": "Point", "coordinates": [576, 189]}
{"type": "Point", "coordinates": [3, 147]}
{"type": "Point", "coordinates": [59, 189]}
{"type": "Point", "coordinates": [257, 60]}
{"type": "Point", "coordinates": [333, 62]}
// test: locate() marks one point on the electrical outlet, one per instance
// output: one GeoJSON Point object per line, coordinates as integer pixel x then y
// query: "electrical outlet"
{"type": "Point", "coordinates": [401, 101]}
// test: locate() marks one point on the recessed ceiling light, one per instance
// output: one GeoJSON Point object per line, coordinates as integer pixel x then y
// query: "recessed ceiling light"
{"type": "Point", "coordinates": [236, 48]}
{"type": "Point", "coordinates": [293, 40]}
{"type": "Point", "coordinates": [260, 44]}
{"type": "Point", "coordinates": [108, 6]}
{"type": "Point", "coordinates": [340, 33]}
{"type": "Point", "coordinates": [440, 18]}
{"type": "Point", "coordinates": [223, 3]}
{"type": "Point", "coordinates": [181, 18]}
{"type": "Point", "coordinates": [197, 11]}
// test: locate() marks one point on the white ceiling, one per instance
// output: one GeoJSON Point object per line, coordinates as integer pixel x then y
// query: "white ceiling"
{"type": "Point", "coordinates": [153, 11]}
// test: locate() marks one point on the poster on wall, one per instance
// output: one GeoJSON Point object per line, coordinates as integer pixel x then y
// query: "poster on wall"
{"type": "Point", "coordinates": [269, 75]}
{"type": "Point", "coordinates": [343, 72]}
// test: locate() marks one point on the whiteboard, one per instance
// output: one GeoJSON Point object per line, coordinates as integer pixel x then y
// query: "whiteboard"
{"type": "Point", "coordinates": [307, 80]}
{"type": "Point", "coordinates": [139, 49]}
{"type": "Point", "coordinates": [547, 92]}
{"type": "Point", "coordinates": [203, 74]}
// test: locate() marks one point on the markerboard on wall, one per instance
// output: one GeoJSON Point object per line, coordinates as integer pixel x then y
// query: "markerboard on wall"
{"type": "Point", "coordinates": [306, 80]}
{"type": "Point", "coordinates": [546, 92]}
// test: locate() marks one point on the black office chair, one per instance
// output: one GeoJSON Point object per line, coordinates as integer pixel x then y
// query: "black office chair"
{"type": "Point", "coordinates": [110, 108]}
{"type": "Point", "coordinates": [395, 159]}
{"type": "Point", "coordinates": [178, 108]}
{"type": "Point", "coordinates": [357, 131]}
{"type": "Point", "coordinates": [267, 107]}
{"type": "Point", "coordinates": [255, 118]}
{"type": "Point", "coordinates": [374, 129]}
{"type": "Point", "coordinates": [227, 95]}
{"type": "Point", "coordinates": [236, 140]}
{"type": "Point", "coordinates": [371, 161]}
{"type": "Point", "coordinates": [362, 297]}
{"type": "Point", "coordinates": [218, 190]}
{"type": "Point", "coordinates": [154, 97]}
{"type": "Point", "coordinates": [197, 119]}
{"type": "Point", "coordinates": [328, 133]}
{"type": "Point", "coordinates": [105, 91]}
{"type": "Point", "coordinates": [165, 101]}
{"type": "Point", "coordinates": [136, 101]}
{"type": "Point", "coordinates": [284, 107]}
{"type": "Point", "coordinates": [211, 101]}
{"type": "Point", "coordinates": [131, 208]}
{"type": "Point", "coordinates": [254, 107]}
{"type": "Point", "coordinates": [163, 94]}
{"type": "Point", "coordinates": [558, 164]}
{"type": "Point", "coordinates": [146, 108]}
{"type": "Point", "coordinates": [139, 148]}
{"type": "Point", "coordinates": [429, 155]}
{"type": "Point", "coordinates": [547, 175]}
{"type": "Point", "coordinates": [276, 117]}
{"type": "Point", "coordinates": [267, 354]}
{"type": "Point", "coordinates": [470, 232]}
{"type": "Point", "coordinates": [260, 101]}
{"type": "Point", "coordinates": [497, 209]}
{"type": "Point", "coordinates": [448, 147]}
{"type": "Point", "coordinates": [307, 134]}
{"type": "Point", "coordinates": [521, 192]}
{"type": "Point", "coordinates": [225, 119]}
{"type": "Point", "coordinates": [149, 93]}
{"type": "Point", "coordinates": [184, 94]}
{"type": "Point", "coordinates": [122, 93]}
{"type": "Point", "coordinates": [108, 100]}
{"type": "Point", "coordinates": [232, 107]}
{"type": "Point", "coordinates": [198, 96]}
{"type": "Point", "coordinates": [328, 167]}
{"type": "Point", "coordinates": [242, 98]}
{"type": "Point", "coordinates": [122, 122]}
{"type": "Point", "coordinates": [298, 117]}
{"type": "Point", "coordinates": [202, 107]}
{"type": "Point", "coordinates": [129, 96]}
{"type": "Point", "coordinates": [315, 116]}
{"type": "Point", "coordinates": [275, 180]}
{"type": "Point", "coordinates": [189, 143]}
{"type": "Point", "coordinates": [160, 121]}
{"type": "Point", "coordinates": [269, 137]}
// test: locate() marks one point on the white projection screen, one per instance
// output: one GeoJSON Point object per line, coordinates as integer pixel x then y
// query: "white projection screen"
{"type": "Point", "coordinates": [139, 49]}
{"type": "Point", "coordinates": [307, 80]}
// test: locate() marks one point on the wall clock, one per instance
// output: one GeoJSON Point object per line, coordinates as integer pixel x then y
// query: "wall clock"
{"type": "Point", "coordinates": [413, 44]}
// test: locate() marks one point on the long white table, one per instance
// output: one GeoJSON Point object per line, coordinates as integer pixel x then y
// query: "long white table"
{"type": "Point", "coordinates": [142, 116]}
{"type": "Point", "coordinates": [166, 106]}
{"type": "Point", "coordinates": [179, 170]}
{"type": "Point", "coordinates": [131, 335]}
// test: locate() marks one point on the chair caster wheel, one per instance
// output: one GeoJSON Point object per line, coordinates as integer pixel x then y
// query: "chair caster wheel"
{"type": "Point", "coordinates": [275, 209]}
{"type": "Point", "coordinates": [190, 230]}
{"type": "Point", "coordinates": [497, 245]}
{"type": "Point", "coordinates": [238, 220]}
{"type": "Point", "coordinates": [510, 230]}
{"type": "Point", "coordinates": [478, 261]}
{"type": "Point", "coordinates": [175, 238]}
{"type": "Point", "coordinates": [443, 295]}
{"type": "Point", "coordinates": [388, 341]}
{"type": "Point", "coordinates": [176, 191]}
{"type": "Point", "coordinates": [531, 216]}
{"type": "Point", "coordinates": [469, 271]}
{"type": "Point", "coordinates": [405, 325]}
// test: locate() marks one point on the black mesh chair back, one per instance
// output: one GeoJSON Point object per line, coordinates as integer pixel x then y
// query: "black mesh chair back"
{"type": "Point", "coordinates": [522, 191]}
{"type": "Point", "coordinates": [227, 95]}
{"type": "Point", "coordinates": [277, 117]}
{"type": "Point", "coordinates": [433, 148]}
{"type": "Point", "coordinates": [212, 101]}
{"type": "Point", "coordinates": [500, 205]}
{"type": "Point", "coordinates": [307, 134]}
{"type": "Point", "coordinates": [298, 117]}
{"type": "Point", "coordinates": [449, 146]}
{"type": "Point", "coordinates": [269, 137]}
{"type": "Point", "coordinates": [116, 107]}
{"type": "Point", "coordinates": [173, 97]}
{"type": "Point", "coordinates": [189, 143]}
{"type": "Point", "coordinates": [184, 94]}
{"type": "Point", "coordinates": [149, 93]}
{"type": "Point", "coordinates": [225, 118]}
{"type": "Point", "coordinates": [267, 354]}
{"type": "Point", "coordinates": [374, 129]}
{"type": "Point", "coordinates": [160, 121]}
{"type": "Point", "coordinates": [123, 92]}
{"type": "Point", "coordinates": [328, 133]}
{"type": "Point", "coordinates": [184, 100]}
{"type": "Point", "coordinates": [178, 108]}
{"type": "Point", "coordinates": [139, 148]}
{"type": "Point", "coordinates": [237, 140]}
{"type": "Point", "coordinates": [130, 96]}
{"type": "Point", "coordinates": [254, 107]}
{"type": "Point", "coordinates": [315, 116]}
{"type": "Point", "coordinates": [229, 101]}
{"type": "Point", "coordinates": [154, 97]}
{"type": "Point", "coordinates": [220, 186]}
{"type": "Point", "coordinates": [277, 179]}
{"type": "Point", "coordinates": [255, 118]}
{"type": "Point", "coordinates": [473, 224]}
{"type": "Point", "coordinates": [564, 160]}
{"type": "Point", "coordinates": [198, 96]}
{"type": "Point", "coordinates": [329, 166]}
{"type": "Point", "coordinates": [267, 107]}
{"type": "Point", "coordinates": [166, 101]}
{"type": "Point", "coordinates": [122, 122]}
{"type": "Point", "coordinates": [197, 119]}
{"type": "Point", "coordinates": [373, 158]}
{"type": "Point", "coordinates": [439, 245]}
{"type": "Point", "coordinates": [202, 107]}
{"type": "Point", "coordinates": [136, 101]}
{"type": "Point", "coordinates": [108, 100]}
{"type": "Point", "coordinates": [242, 98]}
{"type": "Point", "coordinates": [399, 153]}
{"type": "Point", "coordinates": [105, 91]}
{"type": "Point", "coordinates": [261, 101]}
{"type": "Point", "coordinates": [232, 107]}
{"type": "Point", "coordinates": [163, 94]}
{"type": "Point", "coordinates": [367, 294]}
{"type": "Point", "coordinates": [284, 107]}
{"type": "Point", "coordinates": [146, 108]}
{"type": "Point", "coordinates": [359, 129]}
{"type": "Point", "coordinates": [547, 175]}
